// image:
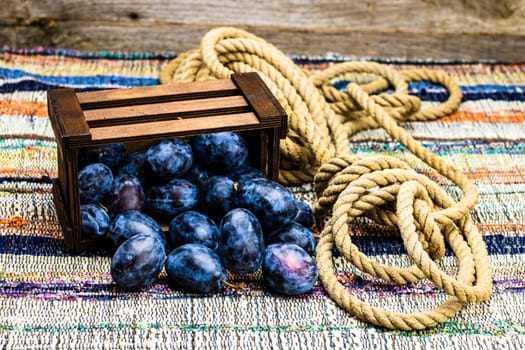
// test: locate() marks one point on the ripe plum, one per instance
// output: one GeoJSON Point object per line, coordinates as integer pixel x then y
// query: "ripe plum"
{"type": "Point", "coordinates": [288, 269]}
{"type": "Point", "coordinates": [220, 152]}
{"type": "Point", "coordinates": [170, 158]}
{"type": "Point", "coordinates": [305, 215]}
{"type": "Point", "coordinates": [134, 164]}
{"type": "Point", "coordinates": [111, 154]}
{"type": "Point", "coordinates": [272, 203]}
{"type": "Point", "coordinates": [95, 221]}
{"type": "Point", "coordinates": [245, 173]}
{"type": "Point", "coordinates": [296, 233]}
{"type": "Point", "coordinates": [242, 243]}
{"type": "Point", "coordinates": [197, 175]}
{"type": "Point", "coordinates": [131, 223]}
{"type": "Point", "coordinates": [195, 268]}
{"type": "Point", "coordinates": [137, 262]}
{"type": "Point", "coordinates": [193, 227]}
{"type": "Point", "coordinates": [217, 197]}
{"type": "Point", "coordinates": [126, 194]}
{"type": "Point", "coordinates": [165, 201]}
{"type": "Point", "coordinates": [94, 182]}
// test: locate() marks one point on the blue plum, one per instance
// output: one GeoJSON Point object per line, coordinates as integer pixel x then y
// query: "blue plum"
{"type": "Point", "coordinates": [293, 232]}
{"type": "Point", "coordinates": [137, 262]}
{"type": "Point", "coordinates": [193, 227]}
{"type": "Point", "coordinates": [217, 197]}
{"type": "Point", "coordinates": [220, 152]}
{"type": "Point", "coordinates": [94, 182]}
{"type": "Point", "coordinates": [94, 221]}
{"type": "Point", "coordinates": [197, 175]}
{"type": "Point", "coordinates": [170, 158]}
{"type": "Point", "coordinates": [132, 223]}
{"type": "Point", "coordinates": [126, 194]}
{"type": "Point", "coordinates": [245, 173]}
{"type": "Point", "coordinates": [288, 269]}
{"type": "Point", "coordinates": [111, 154]}
{"type": "Point", "coordinates": [242, 244]}
{"type": "Point", "coordinates": [134, 164]}
{"type": "Point", "coordinates": [195, 268]}
{"type": "Point", "coordinates": [165, 201]}
{"type": "Point", "coordinates": [305, 215]}
{"type": "Point", "coordinates": [273, 204]}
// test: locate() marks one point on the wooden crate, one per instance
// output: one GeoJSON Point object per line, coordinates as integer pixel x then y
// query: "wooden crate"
{"type": "Point", "coordinates": [140, 117]}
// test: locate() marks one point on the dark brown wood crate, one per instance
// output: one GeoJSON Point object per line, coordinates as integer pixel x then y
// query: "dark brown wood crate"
{"type": "Point", "coordinates": [141, 116]}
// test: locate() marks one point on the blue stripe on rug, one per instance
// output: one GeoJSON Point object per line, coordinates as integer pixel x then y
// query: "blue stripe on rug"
{"type": "Point", "coordinates": [32, 86]}
{"type": "Point", "coordinates": [12, 76]}
{"type": "Point", "coordinates": [25, 81]}
{"type": "Point", "coordinates": [516, 93]}
{"type": "Point", "coordinates": [427, 91]}
{"type": "Point", "coordinates": [40, 246]}
{"type": "Point", "coordinates": [373, 246]}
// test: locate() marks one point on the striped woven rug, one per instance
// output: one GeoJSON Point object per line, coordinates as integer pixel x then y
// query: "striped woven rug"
{"type": "Point", "coordinates": [52, 299]}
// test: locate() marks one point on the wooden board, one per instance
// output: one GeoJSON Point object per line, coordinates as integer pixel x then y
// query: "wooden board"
{"type": "Point", "coordinates": [157, 94]}
{"type": "Point", "coordinates": [442, 29]}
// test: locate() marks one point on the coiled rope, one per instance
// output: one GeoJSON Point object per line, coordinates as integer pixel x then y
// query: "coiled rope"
{"type": "Point", "coordinates": [321, 119]}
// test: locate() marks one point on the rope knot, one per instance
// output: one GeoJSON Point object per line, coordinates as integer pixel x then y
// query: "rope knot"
{"type": "Point", "coordinates": [385, 190]}
{"type": "Point", "coordinates": [374, 184]}
{"type": "Point", "coordinates": [415, 208]}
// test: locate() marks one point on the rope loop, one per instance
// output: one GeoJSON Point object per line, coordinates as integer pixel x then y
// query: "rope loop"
{"type": "Point", "coordinates": [381, 189]}
{"type": "Point", "coordinates": [417, 202]}
{"type": "Point", "coordinates": [465, 292]}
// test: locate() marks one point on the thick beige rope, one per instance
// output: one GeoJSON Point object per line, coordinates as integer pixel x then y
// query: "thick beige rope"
{"type": "Point", "coordinates": [321, 119]}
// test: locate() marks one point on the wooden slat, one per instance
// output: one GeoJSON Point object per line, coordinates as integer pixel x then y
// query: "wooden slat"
{"type": "Point", "coordinates": [261, 99]}
{"type": "Point", "coordinates": [156, 94]}
{"type": "Point", "coordinates": [137, 131]}
{"type": "Point", "coordinates": [68, 120]}
{"type": "Point", "coordinates": [168, 110]}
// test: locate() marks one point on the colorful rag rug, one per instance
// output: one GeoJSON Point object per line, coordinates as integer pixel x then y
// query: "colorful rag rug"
{"type": "Point", "coordinates": [52, 299]}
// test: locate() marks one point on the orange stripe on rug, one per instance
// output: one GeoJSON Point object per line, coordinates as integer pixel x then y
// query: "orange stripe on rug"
{"type": "Point", "coordinates": [28, 108]}
{"type": "Point", "coordinates": [501, 116]}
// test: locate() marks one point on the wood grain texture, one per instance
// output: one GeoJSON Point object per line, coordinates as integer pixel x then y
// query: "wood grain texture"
{"type": "Point", "coordinates": [163, 129]}
{"type": "Point", "coordinates": [157, 94]}
{"type": "Point", "coordinates": [167, 110]}
{"type": "Point", "coordinates": [465, 29]}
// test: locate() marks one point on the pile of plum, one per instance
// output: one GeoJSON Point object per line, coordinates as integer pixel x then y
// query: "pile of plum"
{"type": "Point", "coordinates": [219, 214]}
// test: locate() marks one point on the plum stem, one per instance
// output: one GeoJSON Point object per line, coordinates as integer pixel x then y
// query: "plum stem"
{"type": "Point", "coordinates": [232, 285]}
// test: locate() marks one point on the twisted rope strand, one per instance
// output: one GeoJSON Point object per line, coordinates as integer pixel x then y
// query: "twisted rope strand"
{"type": "Point", "coordinates": [384, 189]}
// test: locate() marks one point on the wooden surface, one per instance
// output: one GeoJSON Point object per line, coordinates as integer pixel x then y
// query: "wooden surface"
{"type": "Point", "coordinates": [439, 29]}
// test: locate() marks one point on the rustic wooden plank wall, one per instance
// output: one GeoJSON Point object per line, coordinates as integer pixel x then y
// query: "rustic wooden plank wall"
{"type": "Point", "coordinates": [439, 29]}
